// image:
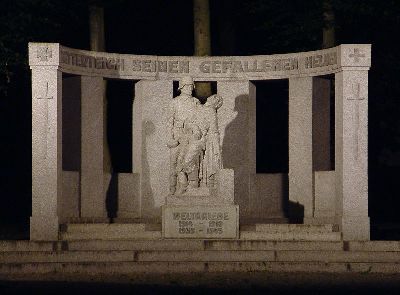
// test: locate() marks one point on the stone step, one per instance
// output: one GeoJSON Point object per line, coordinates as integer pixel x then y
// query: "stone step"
{"type": "Point", "coordinates": [338, 256]}
{"type": "Point", "coordinates": [139, 245]}
{"type": "Point", "coordinates": [296, 228]}
{"type": "Point", "coordinates": [126, 256]}
{"type": "Point", "coordinates": [206, 256]}
{"type": "Point", "coordinates": [110, 235]}
{"type": "Point", "coordinates": [107, 231]}
{"type": "Point", "coordinates": [372, 246]}
{"type": "Point", "coordinates": [290, 236]}
{"type": "Point", "coordinates": [269, 255]}
{"type": "Point", "coordinates": [113, 268]}
{"type": "Point", "coordinates": [103, 227]}
{"type": "Point", "coordinates": [285, 232]}
{"type": "Point", "coordinates": [99, 268]}
{"type": "Point", "coordinates": [7, 246]}
{"type": "Point", "coordinates": [251, 245]}
{"type": "Point", "coordinates": [315, 267]}
{"type": "Point", "coordinates": [201, 256]}
{"type": "Point", "coordinates": [232, 245]}
{"type": "Point", "coordinates": [67, 256]}
{"type": "Point", "coordinates": [167, 245]}
{"type": "Point", "coordinates": [244, 235]}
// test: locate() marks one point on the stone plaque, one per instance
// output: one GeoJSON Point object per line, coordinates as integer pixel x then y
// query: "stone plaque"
{"type": "Point", "coordinates": [200, 222]}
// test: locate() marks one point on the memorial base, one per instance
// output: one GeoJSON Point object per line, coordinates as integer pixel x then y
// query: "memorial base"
{"type": "Point", "coordinates": [200, 221]}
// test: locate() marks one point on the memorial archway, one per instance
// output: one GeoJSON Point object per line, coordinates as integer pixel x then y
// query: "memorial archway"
{"type": "Point", "coordinates": [70, 174]}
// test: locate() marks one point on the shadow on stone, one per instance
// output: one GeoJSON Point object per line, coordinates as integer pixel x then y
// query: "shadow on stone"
{"type": "Point", "coordinates": [112, 196]}
{"type": "Point", "coordinates": [148, 208]}
{"type": "Point", "coordinates": [285, 196]}
{"type": "Point", "coordinates": [235, 151]}
{"type": "Point", "coordinates": [295, 212]}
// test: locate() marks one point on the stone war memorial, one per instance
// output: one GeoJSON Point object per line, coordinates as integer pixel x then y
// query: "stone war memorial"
{"type": "Point", "coordinates": [194, 166]}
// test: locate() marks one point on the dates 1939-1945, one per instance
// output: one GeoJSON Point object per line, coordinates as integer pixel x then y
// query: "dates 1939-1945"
{"type": "Point", "coordinates": [200, 222]}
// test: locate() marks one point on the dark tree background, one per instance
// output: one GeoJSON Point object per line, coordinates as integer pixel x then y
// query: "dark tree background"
{"type": "Point", "coordinates": [162, 27]}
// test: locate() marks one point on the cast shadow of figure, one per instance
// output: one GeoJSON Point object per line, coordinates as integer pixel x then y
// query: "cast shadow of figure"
{"type": "Point", "coordinates": [235, 152]}
{"type": "Point", "coordinates": [295, 212]}
{"type": "Point", "coordinates": [235, 155]}
{"type": "Point", "coordinates": [147, 196]}
{"type": "Point", "coordinates": [112, 190]}
{"type": "Point", "coordinates": [112, 197]}
{"type": "Point", "coordinates": [285, 198]}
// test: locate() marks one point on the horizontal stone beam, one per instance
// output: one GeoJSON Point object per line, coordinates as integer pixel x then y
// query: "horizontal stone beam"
{"type": "Point", "coordinates": [211, 68]}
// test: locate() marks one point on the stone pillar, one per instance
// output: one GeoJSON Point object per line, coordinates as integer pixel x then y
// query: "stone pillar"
{"type": "Point", "coordinates": [324, 174]}
{"type": "Point", "coordinates": [150, 152]}
{"type": "Point", "coordinates": [128, 196]}
{"type": "Point", "coordinates": [300, 148]}
{"type": "Point", "coordinates": [351, 142]}
{"type": "Point", "coordinates": [237, 122]}
{"type": "Point", "coordinates": [93, 190]}
{"type": "Point", "coordinates": [46, 151]}
{"type": "Point", "coordinates": [71, 146]}
{"type": "Point", "coordinates": [321, 124]}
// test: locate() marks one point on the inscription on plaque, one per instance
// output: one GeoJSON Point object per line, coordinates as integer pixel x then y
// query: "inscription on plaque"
{"type": "Point", "coordinates": [200, 221]}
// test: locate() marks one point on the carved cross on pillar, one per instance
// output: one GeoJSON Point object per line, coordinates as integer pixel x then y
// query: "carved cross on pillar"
{"type": "Point", "coordinates": [46, 96]}
{"type": "Point", "coordinates": [355, 89]}
{"type": "Point", "coordinates": [44, 53]}
{"type": "Point", "coordinates": [356, 97]}
{"type": "Point", "coordinates": [356, 55]}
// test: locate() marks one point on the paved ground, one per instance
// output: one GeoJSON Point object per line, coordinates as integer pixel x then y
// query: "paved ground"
{"type": "Point", "coordinates": [227, 283]}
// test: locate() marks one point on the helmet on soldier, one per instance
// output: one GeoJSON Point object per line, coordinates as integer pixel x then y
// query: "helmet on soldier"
{"type": "Point", "coordinates": [187, 80]}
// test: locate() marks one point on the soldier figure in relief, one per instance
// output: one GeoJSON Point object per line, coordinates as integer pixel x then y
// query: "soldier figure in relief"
{"type": "Point", "coordinates": [211, 161]}
{"type": "Point", "coordinates": [193, 140]}
{"type": "Point", "coordinates": [180, 129]}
